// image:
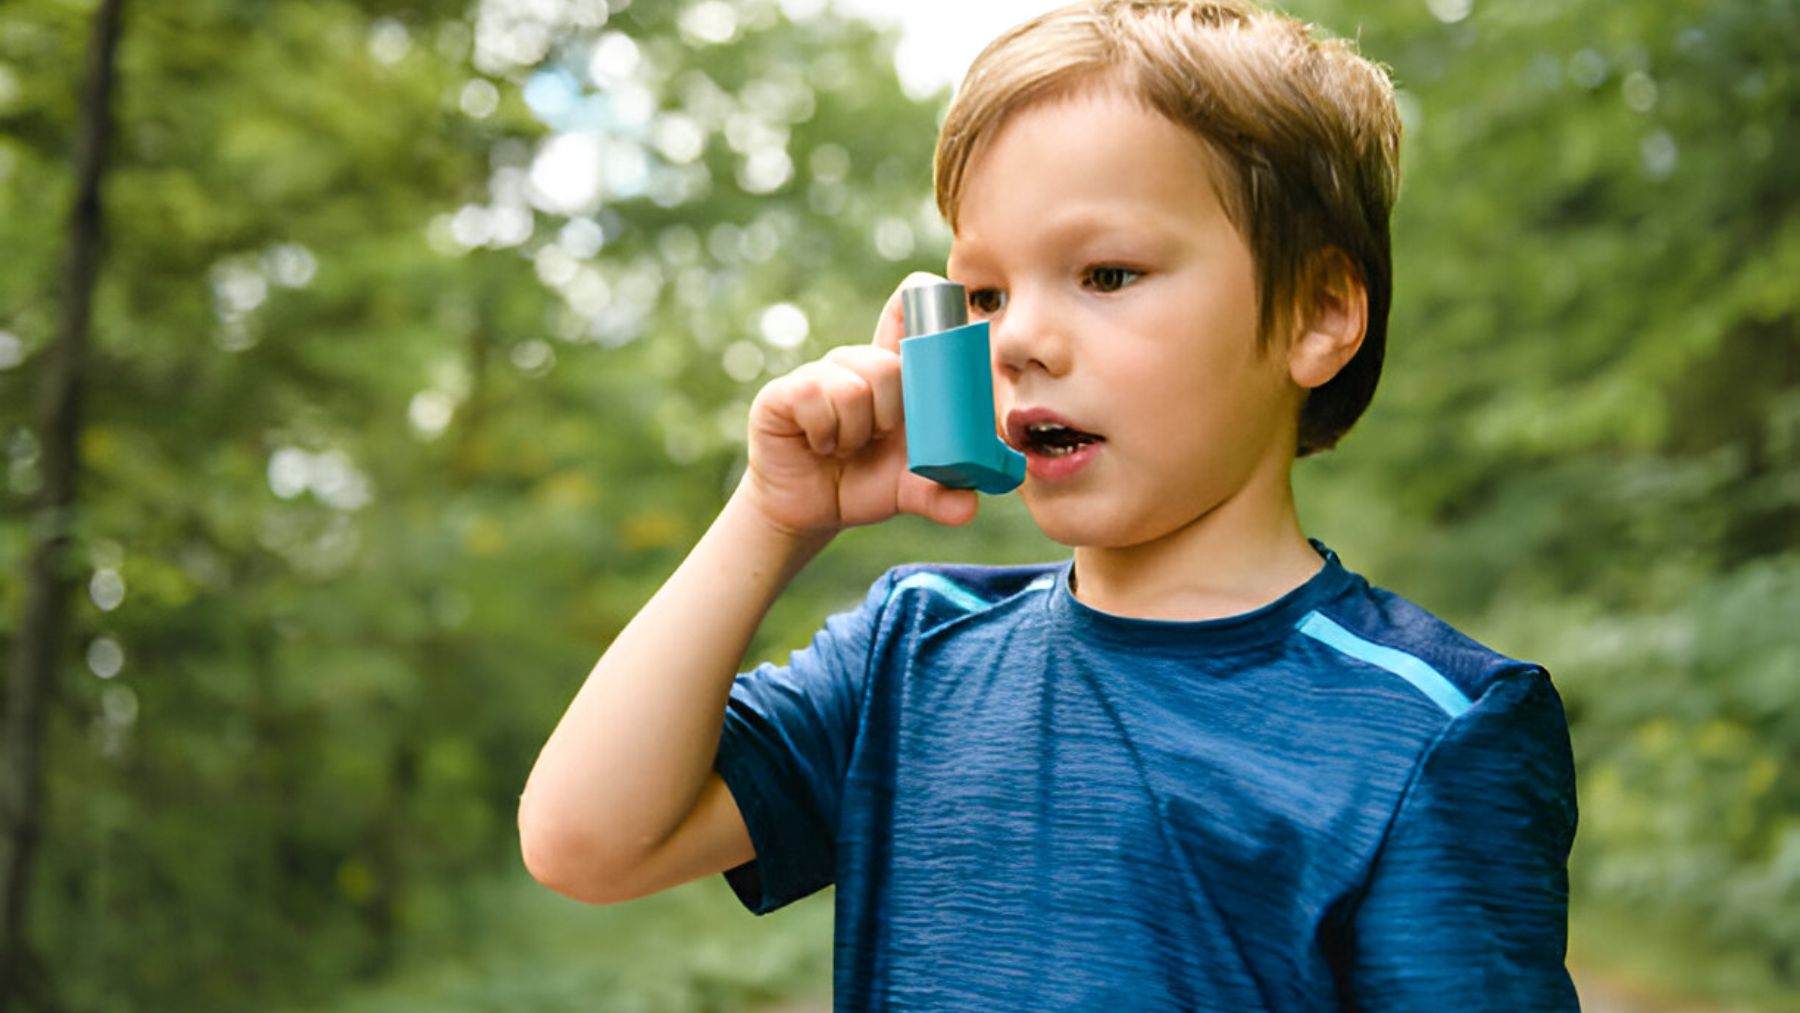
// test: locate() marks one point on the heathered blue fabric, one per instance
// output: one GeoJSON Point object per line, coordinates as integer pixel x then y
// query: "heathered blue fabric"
{"type": "Point", "coordinates": [1028, 804]}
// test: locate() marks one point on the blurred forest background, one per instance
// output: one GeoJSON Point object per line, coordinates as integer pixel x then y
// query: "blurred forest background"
{"type": "Point", "coordinates": [420, 349]}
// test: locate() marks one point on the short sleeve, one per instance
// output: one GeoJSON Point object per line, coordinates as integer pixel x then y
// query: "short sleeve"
{"type": "Point", "coordinates": [784, 751]}
{"type": "Point", "coordinates": [1467, 904]}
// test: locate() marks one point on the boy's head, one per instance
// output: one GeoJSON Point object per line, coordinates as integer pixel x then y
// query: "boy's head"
{"type": "Point", "coordinates": [1306, 133]}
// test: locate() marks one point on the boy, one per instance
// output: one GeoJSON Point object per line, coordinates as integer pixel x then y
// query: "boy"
{"type": "Point", "coordinates": [1201, 766]}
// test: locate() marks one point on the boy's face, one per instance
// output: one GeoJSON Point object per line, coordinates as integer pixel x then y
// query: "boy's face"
{"type": "Point", "coordinates": [1123, 306]}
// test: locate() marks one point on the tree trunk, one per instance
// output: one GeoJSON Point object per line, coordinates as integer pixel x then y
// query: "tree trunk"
{"type": "Point", "coordinates": [48, 578]}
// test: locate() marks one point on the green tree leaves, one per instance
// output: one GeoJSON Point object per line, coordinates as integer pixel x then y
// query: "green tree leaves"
{"type": "Point", "coordinates": [425, 339]}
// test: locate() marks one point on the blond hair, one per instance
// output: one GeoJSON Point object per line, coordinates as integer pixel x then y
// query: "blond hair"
{"type": "Point", "coordinates": [1307, 131]}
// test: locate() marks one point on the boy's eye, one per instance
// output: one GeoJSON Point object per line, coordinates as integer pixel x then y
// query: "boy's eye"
{"type": "Point", "coordinates": [1111, 277]}
{"type": "Point", "coordinates": [986, 300]}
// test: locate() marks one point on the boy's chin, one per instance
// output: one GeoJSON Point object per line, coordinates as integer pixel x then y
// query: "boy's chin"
{"type": "Point", "coordinates": [1071, 525]}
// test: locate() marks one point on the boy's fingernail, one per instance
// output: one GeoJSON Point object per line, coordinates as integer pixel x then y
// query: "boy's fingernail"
{"type": "Point", "coordinates": [828, 446]}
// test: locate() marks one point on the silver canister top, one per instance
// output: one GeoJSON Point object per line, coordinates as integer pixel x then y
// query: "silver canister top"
{"type": "Point", "coordinates": [938, 306]}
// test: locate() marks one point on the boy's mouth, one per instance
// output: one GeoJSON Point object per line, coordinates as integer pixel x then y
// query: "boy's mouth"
{"type": "Point", "coordinates": [1055, 440]}
{"type": "Point", "coordinates": [1041, 433]}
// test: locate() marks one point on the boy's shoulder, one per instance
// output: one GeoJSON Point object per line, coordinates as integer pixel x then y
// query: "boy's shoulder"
{"type": "Point", "coordinates": [1380, 628]}
{"type": "Point", "coordinates": [951, 589]}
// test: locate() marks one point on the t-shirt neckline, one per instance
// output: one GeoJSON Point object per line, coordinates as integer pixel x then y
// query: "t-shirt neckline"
{"type": "Point", "coordinates": [1265, 624]}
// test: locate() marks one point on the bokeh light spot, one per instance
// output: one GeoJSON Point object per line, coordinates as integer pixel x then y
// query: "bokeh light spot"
{"type": "Point", "coordinates": [710, 22]}
{"type": "Point", "coordinates": [760, 242]}
{"type": "Point", "coordinates": [1660, 153]}
{"type": "Point", "coordinates": [678, 138]}
{"type": "Point", "coordinates": [429, 413]}
{"type": "Point", "coordinates": [554, 266]}
{"type": "Point", "coordinates": [533, 357]}
{"type": "Point", "coordinates": [1639, 91]}
{"type": "Point", "coordinates": [336, 480]}
{"type": "Point", "coordinates": [469, 227]}
{"type": "Point", "coordinates": [581, 238]}
{"type": "Point", "coordinates": [290, 265]}
{"type": "Point", "coordinates": [389, 42]}
{"type": "Point", "coordinates": [107, 589]}
{"type": "Point", "coordinates": [119, 705]}
{"type": "Point", "coordinates": [238, 289]}
{"type": "Point", "coordinates": [743, 361]}
{"type": "Point", "coordinates": [802, 10]}
{"type": "Point", "coordinates": [330, 475]}
{"type": "Point", "coordinates": [765, 170]}
{"type": "Point", "coordinates": [588, 293]}
{"type": "Point", "coordinates": [290, 469]}
{"type": "Point", "coordinates": [679, 245]}
{"type": "Point", "coordinates": [784, 325]}
{"type": "Point", "coordinates": [894, 239]}
{"type": "Point", "coordinates": [105, 658]}
{"type": "Point", "coordinates": [625, 169]}
{"type": "Point", "coordinates": [614, 60]}
{"type": "Point", "coordinates": [479, 98]}
{"type": "Point", "coordinates": [1587, 68]}
{"type": "Point", "coordinates": [565, 175]}
{"type": "Point", "coordinates": [1449, 11]}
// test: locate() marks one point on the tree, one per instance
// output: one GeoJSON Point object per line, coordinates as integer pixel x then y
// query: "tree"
{"type": "Point", "coordinates": [37, 649]}
{"type": "Point", "coordinates": [394, 421]}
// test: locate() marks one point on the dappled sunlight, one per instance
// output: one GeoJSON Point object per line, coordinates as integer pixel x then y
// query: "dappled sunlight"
{"type": "Point", "coordinates": [105, 658]}
{"type": "Point", "coordinates": [328, 475]}
{"type": "Point", "coordinates": [422, 348]}
{"type": "Point", "coordinates": [783, 325]}
{"type": "Point", "coordinates": [106, 589]}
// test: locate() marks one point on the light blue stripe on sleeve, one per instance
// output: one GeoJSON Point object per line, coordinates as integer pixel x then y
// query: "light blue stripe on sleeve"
{"type": "Point", "coordinates": [958, 596]}
{"type": "Point", "coordinates": [1426, 679]}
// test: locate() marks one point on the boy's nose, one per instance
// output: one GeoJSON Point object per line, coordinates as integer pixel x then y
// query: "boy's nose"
{"type": "Point", "coordinates": [1028, 335]}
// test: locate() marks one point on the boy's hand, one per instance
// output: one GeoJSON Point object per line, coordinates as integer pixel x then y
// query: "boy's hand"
{"type": "Point", "coordinates": [827, 444]}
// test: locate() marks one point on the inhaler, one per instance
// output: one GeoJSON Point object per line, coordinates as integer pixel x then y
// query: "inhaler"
{"type": "Point", "coordinates": [947, 388]}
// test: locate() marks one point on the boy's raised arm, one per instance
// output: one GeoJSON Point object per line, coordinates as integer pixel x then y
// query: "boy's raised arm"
{"type": "Point", "coordinates": [622, 800]}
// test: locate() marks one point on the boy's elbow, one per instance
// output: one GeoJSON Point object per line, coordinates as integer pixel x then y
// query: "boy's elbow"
{"type": "Point", "coordinates": [569, 861]}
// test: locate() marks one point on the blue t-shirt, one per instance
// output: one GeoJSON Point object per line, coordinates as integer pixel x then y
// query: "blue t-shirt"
{"type": "Point", "coordinates": [1333, 801]}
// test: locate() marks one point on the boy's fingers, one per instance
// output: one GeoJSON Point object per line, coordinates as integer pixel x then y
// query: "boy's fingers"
{"type": "Point", "coordinates": [851, 402]}
{"type": "Point", "coordinates": [831, 405]}
{"type": "Point", "coordinates": [892, 325]}
{"type": "Point", "coordinates": [813, 412]}
{"type": "Point", "coordinates": [922, 496]}
{"type": "Point", "coordinates": [880, 369]}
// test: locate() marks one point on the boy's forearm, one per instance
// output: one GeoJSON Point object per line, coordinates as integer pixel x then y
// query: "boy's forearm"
{"type": "Point", "coordinates": [627, 761]}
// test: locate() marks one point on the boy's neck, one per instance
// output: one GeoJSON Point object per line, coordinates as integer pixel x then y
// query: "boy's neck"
{"type": "Point", "coordinates": [1244, 554]}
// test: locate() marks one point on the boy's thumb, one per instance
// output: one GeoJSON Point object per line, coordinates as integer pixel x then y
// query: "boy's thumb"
{"type": "Point", "coordinates": [953, 507]}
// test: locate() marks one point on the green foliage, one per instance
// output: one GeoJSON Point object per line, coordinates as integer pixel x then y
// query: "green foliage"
{"type": "Point", "coordinates": [541, 952]}
{"type": "Point", "coordinates": [381, 448]}
{"type": "Point", "coordinates": [391, 429]}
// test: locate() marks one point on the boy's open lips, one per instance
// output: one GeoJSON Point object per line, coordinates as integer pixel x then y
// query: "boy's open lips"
{"type": "Point", "coordinates": [1054, 447]}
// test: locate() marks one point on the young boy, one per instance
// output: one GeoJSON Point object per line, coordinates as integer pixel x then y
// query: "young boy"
{"type": "Point", "coordinates": [1200, 766]}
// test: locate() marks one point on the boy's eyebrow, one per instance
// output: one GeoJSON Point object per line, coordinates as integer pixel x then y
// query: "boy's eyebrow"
{"type": "Point", "coordinates": [1069, 230]}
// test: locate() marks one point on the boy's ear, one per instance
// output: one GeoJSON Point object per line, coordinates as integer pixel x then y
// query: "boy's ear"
{"type": "Point", "coordinates": [1332, 314]}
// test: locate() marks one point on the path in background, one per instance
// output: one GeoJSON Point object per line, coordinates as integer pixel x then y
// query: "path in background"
{"type": "Point", "coordinates": [1599, 994]}
{"type": "Point", "coordinates": [1602, 993]}
{"type": "Point", "coordinates": [696, 948]}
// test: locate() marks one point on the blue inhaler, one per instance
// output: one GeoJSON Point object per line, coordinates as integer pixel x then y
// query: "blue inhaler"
{"type": "Point", "coordinates": [947, 388]}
